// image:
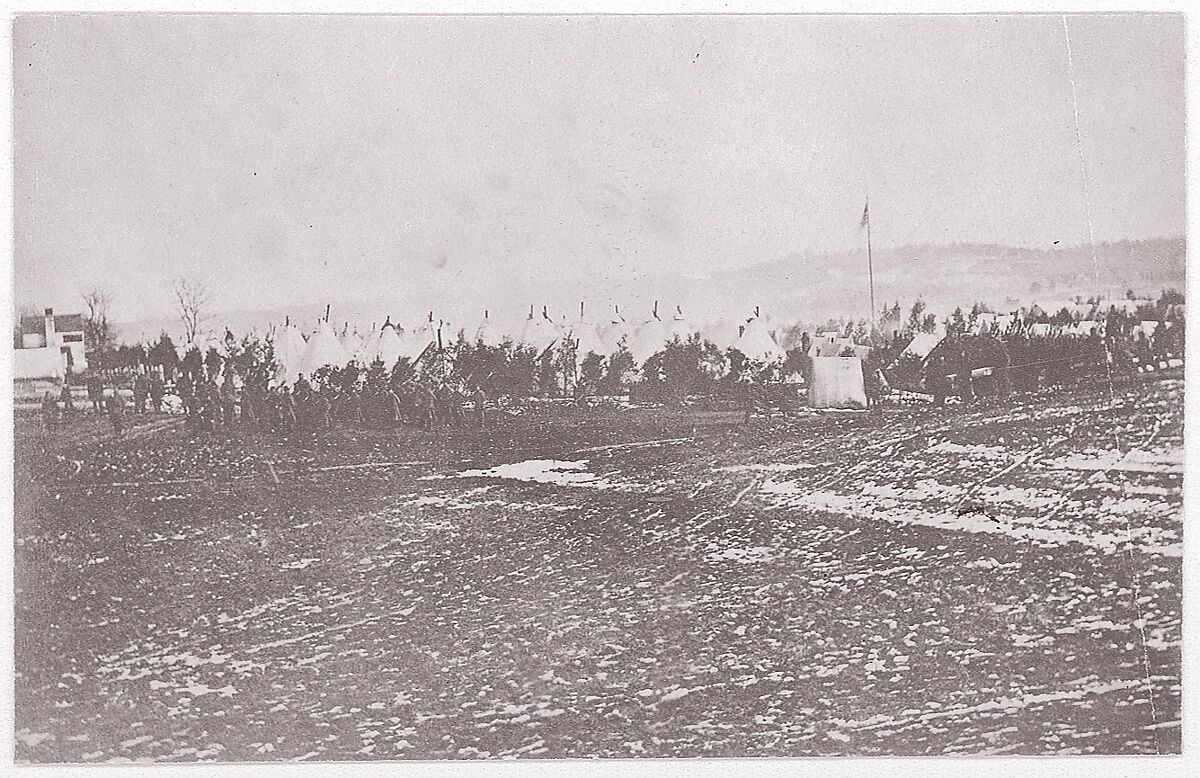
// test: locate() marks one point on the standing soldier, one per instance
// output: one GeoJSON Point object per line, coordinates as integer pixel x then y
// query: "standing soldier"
{"type": "Point", "coordinates": [480, 399]}
{"type": "Point", "coordinates": [49, 410]}
{"type": "Point", "coordinates": [249, 406]}
{"type": "Point", "coordinates": [427, 403]}
{"type": "Point", "coordinates": [68, 403]}
{"type": "Point", "coordinates": [228, 401]}
{"type": "Point", "coordinates": [191, 402]}
{"type": "Point", "coordinates": [157, 391]}
{"type": "Point", "coordinates": [872, 383]}
{"type": "Point", "coordinates": [320, 408]}
{"type": "Point", "coordinates": [287, 410]}
{"type": "Point", "coordinates": [95, 390]}
{"type": "Point", "coordinates": [392, 410]}
{"type": "Point", "coordinates": [141, 390]}
{"type": "Point", "coordinates": [354, 406]}
{"type": "Point", "coordinates": [116, 411]}
{"type": "Point", "coordinates": [939, 384]}
{"type": "Point", "coordinates": [212, 405]}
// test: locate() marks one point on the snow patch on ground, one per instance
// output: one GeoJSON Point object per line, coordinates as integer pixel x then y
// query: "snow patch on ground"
{"type": "Point", "coordinates": [869, 505]}
{"type": "Point", "coordinates": [748, 555]}
{"type": "Point", "coordinates": [543, 471]}
{"type": "Point", "coordinates": [778, 467]}
{"type": "Point", "coordinates": [980, 452]}
{"type": "Point", "coordinates": [1136, 461]}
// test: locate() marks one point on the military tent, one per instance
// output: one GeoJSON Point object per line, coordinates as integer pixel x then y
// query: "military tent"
{"type": "Point", "coordinates": [837, 382]}
{"type": "Point", "coordinates": [538, 332]}
{"type": "Point", "coordinates": [352, 344]}
{"type": "Point", "coordinates": [756, 343]}
{"type": "Point", "coordinates": [420, 339]}
{"type": "Point", "coordinates": [921, 346]}
{"type": "Point", "coordinates": [649, 339]}
{"type": "Point", "coordinates": [486, 333]}
{"type": "Point", "coordinates": [322, 349]}
{"type": "Point", "coordinates": [1083, 329]}
{"type": "Point", "coordinates": [387, 347]}
{"type": "Point", "coordinates": [288, 345]}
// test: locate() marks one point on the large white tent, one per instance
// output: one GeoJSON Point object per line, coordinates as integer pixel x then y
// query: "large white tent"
{"type": "Point", "coordinates": [352, 344]}
{"type": "Point", "coordinates": [387, 347]}
{"type": "Point", "coordinates": [588, 340]}
{"type": "Point", "coordinates": [322, 349]}
{"type": "Point", "coordinates": [538, 332]}
{"type": "Point", "coordinates": [837, 382]}
{"type": "Point", "coordinates": [289, 346]}
{"type": "Point", "coordinates": [613, 331]}
{"type": "Point", "coordinates": [755, 342]}
{"type": "Point", "coordinates": [648, 340]}
{"type": "Point", "coordinates": [419, 339]}
{"type": "Point", "coordinates": [586, 335]}
{"type": "Point", "coordinates": [486, 333]}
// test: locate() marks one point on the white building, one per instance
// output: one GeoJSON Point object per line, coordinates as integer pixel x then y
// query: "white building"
{"type": "Point", "coordinates": [49, 346]}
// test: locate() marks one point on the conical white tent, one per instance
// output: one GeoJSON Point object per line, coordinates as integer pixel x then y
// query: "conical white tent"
{"type": "Point", "coordinates": [756, 343]}
{"type": "Point", "coordinates": [538, 333]}
{"type": "Point", "coordinates": [418, 339]}
{"type": "Point", "coordinates": [486, 333]}
{"type": "Point", "coordinates": [388, 347]}
{"type": "Point", "coordinates": [613, 331]}
{"type": "Point", "coordinates": [289, 346]}
{"type": "Point", "coordinates": [648, 340]}
{"type": "Point", "coordinates": [588, 340]}
{"type": "Point", "coordinates": [322, 349]}
{"type": "Point", "coordinates": [352, 344]}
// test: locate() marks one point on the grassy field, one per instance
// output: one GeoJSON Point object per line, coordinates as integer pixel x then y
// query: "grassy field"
{"type": "Point", "coordinates": [626, 582]}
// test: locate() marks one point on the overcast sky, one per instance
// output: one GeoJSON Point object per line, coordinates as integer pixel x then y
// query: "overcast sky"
{"type": "Point", "coordinates": [284, 159]}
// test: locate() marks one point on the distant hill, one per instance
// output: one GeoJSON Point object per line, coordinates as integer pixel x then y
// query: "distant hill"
{"type": "Point", "coordinates": [800, 287]}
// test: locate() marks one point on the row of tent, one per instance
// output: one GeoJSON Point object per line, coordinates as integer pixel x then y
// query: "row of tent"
{"type": "Point", "coordinates": [298, 354]}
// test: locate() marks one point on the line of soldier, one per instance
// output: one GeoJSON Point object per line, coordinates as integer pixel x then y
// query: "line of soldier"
{"type": "Point", "coordinates": [149, 392]}
{"type": "Point", "coordinates": [103, 400]}
{"type": "Point", "coordinates": [308, 407]}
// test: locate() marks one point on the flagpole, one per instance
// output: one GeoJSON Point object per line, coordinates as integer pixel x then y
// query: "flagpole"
{"type": "Point", "coordinates": [870, 263]}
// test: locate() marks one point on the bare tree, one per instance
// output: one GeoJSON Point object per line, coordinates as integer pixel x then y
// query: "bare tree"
{"type": "Point", "coordinates": [192, 298]}
{"type": "Point", "coordinates": [98, 331]}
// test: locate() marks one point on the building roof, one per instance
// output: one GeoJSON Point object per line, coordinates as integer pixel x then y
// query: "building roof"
{"type": "Point", "coordinates": [63, 322]}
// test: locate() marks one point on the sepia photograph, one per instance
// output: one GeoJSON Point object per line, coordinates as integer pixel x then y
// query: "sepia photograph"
{"type": "Point", "coordinates": [443, 386]}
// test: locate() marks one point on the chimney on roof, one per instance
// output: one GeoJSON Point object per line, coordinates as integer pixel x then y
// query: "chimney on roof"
{"type": "Point", "coordinates": [656, 309]}
{"type": "Point", "coordinates": [50, 333]}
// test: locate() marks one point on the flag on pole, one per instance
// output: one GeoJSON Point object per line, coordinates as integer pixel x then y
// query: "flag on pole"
{"type": "Point", "coordinates": [866, 217]}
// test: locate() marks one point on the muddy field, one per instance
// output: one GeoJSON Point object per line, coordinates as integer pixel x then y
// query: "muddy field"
{"type": "Point", "coordinates": [626, 582]}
